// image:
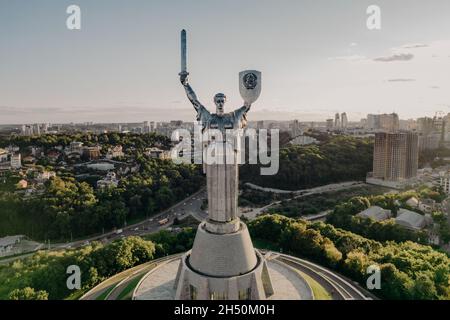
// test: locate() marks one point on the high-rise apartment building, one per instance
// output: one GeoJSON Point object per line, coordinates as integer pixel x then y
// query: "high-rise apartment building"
{"type": "Point", "coordinates": [337, 122]}
{"type": "Point", "coordinates": [295, 128]}
{"type": "Point", "coordinates": [395, 156]}
{"type": "Point", "coordinates": [383, 122]}
{"type": "Point", "coordinates": [344, 121]}
{"type": "Point", "coordinates": [329, 124]}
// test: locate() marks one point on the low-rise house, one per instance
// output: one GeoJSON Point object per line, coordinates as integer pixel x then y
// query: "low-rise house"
{"type": "Point", "coordinates": [53, 155]}
{"type": "Point", "coordinates": [109, 181]}
{"type": "Point", "coordinates": [46, 175]}
{"type": "Point", "coordinates": [412, 220]}
{"type": "Point", "coordinates": [157, 153]}
{"type": "Point", "coordinates": [75, 147]}
{"type": "Point", "coordinates": [92, 153]}
{"type": "Point", "coordinates": [376, 213]}
{"type": "Point", "coordinates": [12, 149]}
{"type": "Point", "coordinates": [22, 184]}
{"type": "Point", "coordinates": [427, 205]}
{"type": "Point", "coordinates": [413, 202]}
{"type": "Point", "coordinates": [29, 159]}
{"type": "Point", "coordinates": [36, 152]}
{"type": "Point", "coordinates": [115, 152]}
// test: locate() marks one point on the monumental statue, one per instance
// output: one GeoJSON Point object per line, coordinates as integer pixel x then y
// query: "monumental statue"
{"type": "Point", "coordinates": [222, 263]}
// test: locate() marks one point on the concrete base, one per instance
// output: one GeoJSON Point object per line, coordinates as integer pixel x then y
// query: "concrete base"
{"type": "Point", "coordinates": [223, 267]}
{"type": "Point", "coordinates": [159, 283]}
{"type": "Point", "coordinates": [222, 228]}
{"type": "Point", "coordinates": [254, 285]}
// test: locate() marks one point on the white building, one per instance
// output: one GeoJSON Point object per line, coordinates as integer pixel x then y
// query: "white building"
{"type": "Point", "coordinates": [110, 181]}
{"type": "Point", "coordinates": [76, 147]}
{"type": "Point", "coordinates": [16, 161]}
{"type": "Point", "coordinates": [444, 181]}
{"type": "Point", "coordinates": [303, 140]}
{"type": "Point", "coordinates": [115, 152]}
{"type": "Point", "coordinates": [46, 175]}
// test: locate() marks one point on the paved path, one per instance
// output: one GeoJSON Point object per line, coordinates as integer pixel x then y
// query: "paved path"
{"type": "Point", "coordinates": [120, 281]}
{"type": "Point", "coordinates": [288, 285]}
{"type": "Point", "coordinates": [338, 286]}
{"type": "Point", "coordinates": [293, 286]}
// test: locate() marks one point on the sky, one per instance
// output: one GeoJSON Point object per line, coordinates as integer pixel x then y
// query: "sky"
{"type": "Point", "coordinates": [317, 57]}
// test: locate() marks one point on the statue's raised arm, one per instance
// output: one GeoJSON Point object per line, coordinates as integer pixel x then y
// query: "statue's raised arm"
{"type": "Point", "coordinates": [190, 92]}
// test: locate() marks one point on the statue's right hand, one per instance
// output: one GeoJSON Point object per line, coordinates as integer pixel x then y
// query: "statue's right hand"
{"type": "Point", "coordinates": [184, 78]}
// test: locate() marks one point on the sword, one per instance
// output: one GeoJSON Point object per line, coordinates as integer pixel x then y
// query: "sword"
{"type": "Point", "coordinates": [183, 54]}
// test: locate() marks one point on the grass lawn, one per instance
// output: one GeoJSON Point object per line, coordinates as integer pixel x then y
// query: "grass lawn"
{"type": "Point", "coordinates": [319, 292]}
{"type": "Point", "coordinates": [128, 291]}
{"type": "Point", "coordinates": [105, 293]}
{"type": "Point", "coordinates": [76, 295]}
{"type": "Point", "coordinates": [264, 244]}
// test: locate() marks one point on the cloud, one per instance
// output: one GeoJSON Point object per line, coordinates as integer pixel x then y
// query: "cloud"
{"type": "Point", "coordinates": [353, 44]}
{"type": "Point", "coordinates": [401, 80]}
{"type": "Point", "coordinates": [395, 57]}
{"type": "Point", "coordinates": [415, 45]}
{"type": "Point", "coordinates": [7, 110]}
{"type": "Point", "coordinates": [348, 58]}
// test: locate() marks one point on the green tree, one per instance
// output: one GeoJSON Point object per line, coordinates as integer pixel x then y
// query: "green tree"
{"type": "Point", "coordinates": [28, 293]}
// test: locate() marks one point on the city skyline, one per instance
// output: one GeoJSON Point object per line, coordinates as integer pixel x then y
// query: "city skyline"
{"type": "Point", "coordinates": [316, 61]}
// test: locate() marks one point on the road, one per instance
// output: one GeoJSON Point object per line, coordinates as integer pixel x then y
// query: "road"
{"type": "Point", "coordinates": [299, 194]}
{"type": "Point", "coordinates": [189, 206]}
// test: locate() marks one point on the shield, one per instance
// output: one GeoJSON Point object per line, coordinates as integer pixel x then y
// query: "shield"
{"type": "Point", "coordinates": [250, 85]}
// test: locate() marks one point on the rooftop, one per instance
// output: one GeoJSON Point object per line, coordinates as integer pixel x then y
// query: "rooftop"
{"type": "Point", "coordinates": [410, 219]}
{"type": "Point", "coordinates": [375, 213]}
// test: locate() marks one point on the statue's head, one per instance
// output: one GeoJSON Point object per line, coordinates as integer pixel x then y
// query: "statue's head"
{"type": "Point", "coordinates": [219, 100]}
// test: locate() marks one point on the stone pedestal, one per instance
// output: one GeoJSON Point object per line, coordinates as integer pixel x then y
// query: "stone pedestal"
{"type": "Point", "coordinates": [223, 267]}
{"type": "Point", "coordinates": [222, 263]}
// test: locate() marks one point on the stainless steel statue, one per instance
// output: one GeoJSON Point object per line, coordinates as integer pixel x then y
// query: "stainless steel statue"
{"type": "Point", "coordinates": [222, 263]}
{"type": "Point", "coordinates": [250, 88]}
{"type": "Point", "coordinates": [222, 176]}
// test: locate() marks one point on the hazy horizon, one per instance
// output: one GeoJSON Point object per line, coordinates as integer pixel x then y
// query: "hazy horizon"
{"type": "Point", "coordinates": [316, 57]}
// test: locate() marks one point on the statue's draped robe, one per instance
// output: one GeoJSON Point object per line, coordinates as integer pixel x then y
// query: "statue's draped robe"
{"type": "Point", "coordinates": [221, 161]}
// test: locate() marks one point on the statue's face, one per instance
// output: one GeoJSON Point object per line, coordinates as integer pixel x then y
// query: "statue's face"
{"type": "Point", "coordinates": [219, 100]}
